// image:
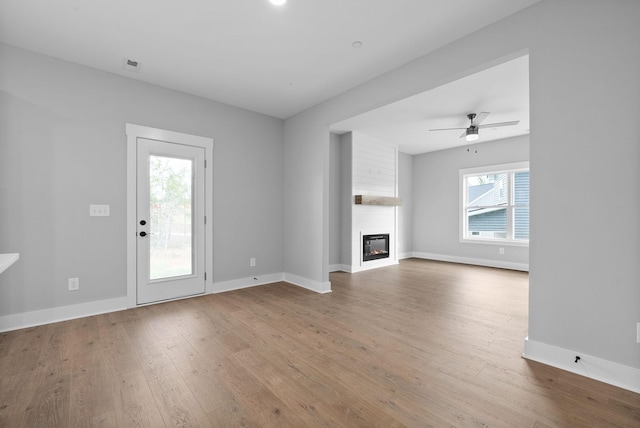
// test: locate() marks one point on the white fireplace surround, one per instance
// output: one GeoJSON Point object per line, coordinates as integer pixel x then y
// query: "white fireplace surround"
{"type": "Point", "coordinates": [370, 174]}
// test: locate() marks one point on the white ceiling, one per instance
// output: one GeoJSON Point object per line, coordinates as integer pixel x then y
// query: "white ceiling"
{"type": "Point", "coordinates": [502, 90]}
{"type": "Point", "coordinates": [248, 53]}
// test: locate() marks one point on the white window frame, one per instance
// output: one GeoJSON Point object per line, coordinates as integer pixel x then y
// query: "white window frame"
{"type": "Point", "coordinates": [509, 169]}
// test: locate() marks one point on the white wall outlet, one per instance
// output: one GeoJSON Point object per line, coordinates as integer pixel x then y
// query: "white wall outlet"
{"type": "Point", "coordinates": [74, 284]}
{"type": "Point", "coordinates": [501, 250]}
{"type": "Point", "coordinates": [99, 210]}
{"type": "Point", "coordinates": [252, 261]}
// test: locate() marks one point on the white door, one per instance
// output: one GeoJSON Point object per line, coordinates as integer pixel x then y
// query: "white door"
{"type": "Point", "coordinates": [170, 220]}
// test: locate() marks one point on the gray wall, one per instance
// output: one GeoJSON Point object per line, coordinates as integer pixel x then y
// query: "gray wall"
{"type": "Point", "coordinates": [584, 290]}
{"type": "Point", "coordinates": [405, 211]}
{"type": "Point", "coordinates": [63, 147]}
{"type": "Point", "coordinates": [335, 205]}
{"type": "Point", "coordinates": [306, 205]}
{"type": "Point", "coordinates": [436, 193]}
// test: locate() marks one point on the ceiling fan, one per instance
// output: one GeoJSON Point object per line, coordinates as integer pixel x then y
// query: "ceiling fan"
{"type": "Point", "coordinates": [471, 133]}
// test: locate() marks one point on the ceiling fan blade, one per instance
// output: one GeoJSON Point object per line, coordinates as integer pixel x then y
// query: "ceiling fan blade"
{"type": "Point", "coordinates": [480, 117]}
{"type": "Point", "coordinates": [496, 125]}
{"type": "Point", "coordinates": [445, 129]}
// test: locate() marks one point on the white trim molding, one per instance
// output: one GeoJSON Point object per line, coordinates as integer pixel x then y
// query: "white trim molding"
{"type": "Point", "coordinates": [98, 307]}
{"type": "Point", "coordinates": [318, 287]}
{"type": "Point", "coordinates": [339, 268]}
{"type": "Point", "coordinates": [238, 284]}
{"type": "Point", "coordinates": [472, 261]}
{"type": "Point", "coordinates": [373, 264]}
{"type": "Point", "coordinates": [61, 313]}
{"type": "Point", "coordinates": [615, 374]}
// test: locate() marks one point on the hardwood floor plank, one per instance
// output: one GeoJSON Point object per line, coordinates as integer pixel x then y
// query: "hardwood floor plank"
{"type": "Point", "coordinates": [232, 415]}
{"type": "Point", "coordinates": [201, 375]}
{"type": "Point", "coordinates": [421, 343]}
{"type": "Point", "coordinates": [175, 402]}
{"type": "Point", "coordinates": [22, 352]}
{"type": "Point", "coordinates": [308, 363]}
{"type": "Point", "coordinates": [90, 394]}
{"type": "Point", "coordinates": [105, 420]}
{"type": "Point", "coordinates": [118, 352]}
{"type": "Point", "coordinates": [247, 389]}
{"type": "Point", "coordinates": [49, 406]}
{"type": "Point", "coordinates": [299, 394]}
{"type": "Point", "coordinates": [134, 404]}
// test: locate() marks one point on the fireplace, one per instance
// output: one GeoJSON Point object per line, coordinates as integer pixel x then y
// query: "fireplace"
{"type": "Point", "coordinates": [375, 247]}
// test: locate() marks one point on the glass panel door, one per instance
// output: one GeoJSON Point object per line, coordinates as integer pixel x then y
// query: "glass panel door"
{"type": "Point", "coordinates": [170, 221]}
{"type": "Point", "coordinates": [170, 218]}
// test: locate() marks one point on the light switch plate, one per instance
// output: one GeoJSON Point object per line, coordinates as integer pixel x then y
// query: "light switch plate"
{"type": "Point", "coordinates": [99, 210]}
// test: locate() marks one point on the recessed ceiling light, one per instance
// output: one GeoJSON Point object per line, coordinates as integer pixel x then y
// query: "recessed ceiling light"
{"type": "Point", "coordinates": [357, 44]}
{"type": "Point", "coordinates": [278, 2]}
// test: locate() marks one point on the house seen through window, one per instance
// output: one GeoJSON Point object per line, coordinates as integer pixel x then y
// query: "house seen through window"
{"type": "Point", "coordinates": [495, 203]}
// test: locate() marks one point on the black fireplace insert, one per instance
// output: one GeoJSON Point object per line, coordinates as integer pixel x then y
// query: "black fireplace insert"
{"type": "Point", "coordinates": [375, 247]}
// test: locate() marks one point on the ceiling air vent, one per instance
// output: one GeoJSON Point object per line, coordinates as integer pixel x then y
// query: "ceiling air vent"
{"type": "Point", "coordinates": [131, 65]}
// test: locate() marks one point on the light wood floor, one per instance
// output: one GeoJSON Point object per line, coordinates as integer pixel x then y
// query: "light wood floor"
{"type": "Point", "coordinates": [419, 344]}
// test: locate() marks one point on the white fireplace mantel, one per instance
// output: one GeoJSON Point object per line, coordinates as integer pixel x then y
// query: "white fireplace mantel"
{"type": "Point", "coordinates": [388, 201]}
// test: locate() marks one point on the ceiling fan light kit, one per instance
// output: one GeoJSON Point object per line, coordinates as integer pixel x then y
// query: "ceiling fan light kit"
{"type": "Point", "coordinates": [472, 133]}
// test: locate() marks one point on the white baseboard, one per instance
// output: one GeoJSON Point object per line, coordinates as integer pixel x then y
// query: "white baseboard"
{"type": "Point", "coordinates": [606, 371]}
{"type": "Point", "coordinates": [69, 312]}
{"type": "Point", "coordinates": [237, 284]}
{"type": "Point", "coordinates": [405, 256]}
{"type": "Point", "coordinates": [373, 264]}
{"type": "Point", "coordinates": [61, 313]}
{"type": "Point", "coordinates": [318, 287]}
{"type": "Point", "coordinates": [472, 261]}
{"type": "Point", "coordinates": [339, 268]}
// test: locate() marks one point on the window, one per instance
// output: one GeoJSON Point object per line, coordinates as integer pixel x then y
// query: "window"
{"type": "Point", "coordinates": [495, 204]}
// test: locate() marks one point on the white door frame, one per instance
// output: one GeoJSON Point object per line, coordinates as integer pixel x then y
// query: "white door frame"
{"type": "Point", "coordinates": [133, 133]}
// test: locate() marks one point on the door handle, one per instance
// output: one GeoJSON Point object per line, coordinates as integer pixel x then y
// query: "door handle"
{"type": "Point", "coordinates": [143, 233]}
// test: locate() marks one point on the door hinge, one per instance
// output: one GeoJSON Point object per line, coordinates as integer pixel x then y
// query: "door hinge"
{"type": "Point", "coordinates": [205, 276]}
{"type": "Point", "coordinates": [205, 163]}
{"type": "Point", "coordinates": [205, 219]}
